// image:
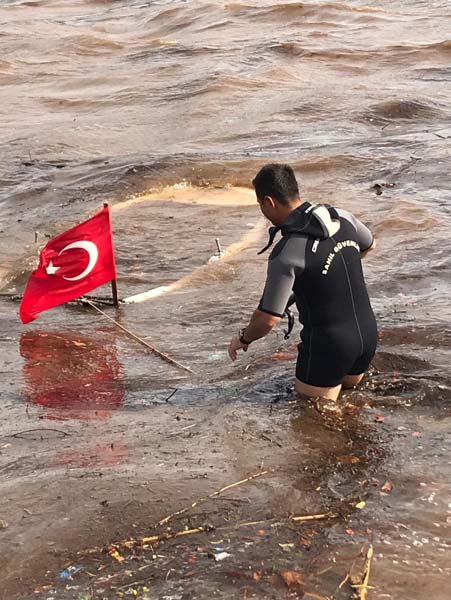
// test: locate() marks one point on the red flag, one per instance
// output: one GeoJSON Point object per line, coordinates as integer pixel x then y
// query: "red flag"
{"type": "Point", "coordinates": [70, 265]}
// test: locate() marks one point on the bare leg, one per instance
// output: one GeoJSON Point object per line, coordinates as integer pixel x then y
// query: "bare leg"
{"type": "Point", "coordinates": [313, 391]}
{"type": "Point", "coordinates": [351, 381]}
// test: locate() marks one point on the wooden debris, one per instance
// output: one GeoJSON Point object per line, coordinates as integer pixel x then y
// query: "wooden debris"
{"type": "Point", "coordinates": [327, 515]}
{"type": "Point", "coordinates": [201, 500]}
{"type": "Point", "coordinates": [359, 582]}
{"type": "Point", "coordinates": [168, 536]}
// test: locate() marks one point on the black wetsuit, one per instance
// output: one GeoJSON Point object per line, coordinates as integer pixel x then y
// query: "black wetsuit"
{"type": "Point", "coordinates": [319, 259]}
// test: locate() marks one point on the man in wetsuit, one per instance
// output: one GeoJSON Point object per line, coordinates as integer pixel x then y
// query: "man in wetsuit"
{"type": "Point", "coordinates": [318, 259]}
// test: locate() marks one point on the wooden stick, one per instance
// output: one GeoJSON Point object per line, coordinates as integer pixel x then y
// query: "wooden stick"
{"type": "Point", "coordinates": [314, 517]}
{"type": "Point", "coordinates": [343, 581]}
{"type": "Point", "coordinates": [363, 590]}
{"type": "Point", "coordinates": [162, 355]}
{"type": "Point", "coordinates": [197, 502]}
{"type": "Point", "coordinates": [168, 536]}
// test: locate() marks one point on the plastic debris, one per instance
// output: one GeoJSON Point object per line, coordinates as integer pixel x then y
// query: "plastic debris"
{"type": "Point", "coordinates": [222, 556]}
{"type": "Point", "coordinates": [70, 571]}
{"type": "Point", "coordinates": [360, 505]}
{"type": "Point", "coordinates": [114, 553]}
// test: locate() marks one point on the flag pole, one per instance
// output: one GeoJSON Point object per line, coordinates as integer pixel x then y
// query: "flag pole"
{"type": "Point", "coordinates": [162, 355]}
{"type": "Point", "coordinates": [113, 281]}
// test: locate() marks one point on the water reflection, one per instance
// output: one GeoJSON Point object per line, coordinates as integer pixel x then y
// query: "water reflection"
{"type": "Point", "coordinates": [75, 376]}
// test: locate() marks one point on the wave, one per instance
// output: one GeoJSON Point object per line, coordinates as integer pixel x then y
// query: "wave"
{"type": "Point", "coordinates": [392, 53]}
{"type": "Point", "coordinates": [289, 10]}
{"type": "Point", "coordinates": [89, 45]}
{"type": "Point", "coordinates": [402, 110]}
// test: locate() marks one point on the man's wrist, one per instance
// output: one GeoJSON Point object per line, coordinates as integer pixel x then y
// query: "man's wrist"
{"type": "Point", "coordinates": [243, 340]}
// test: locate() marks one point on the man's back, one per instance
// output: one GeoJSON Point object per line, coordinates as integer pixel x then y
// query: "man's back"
{"type": "Point", "coordinates": [319, 259]}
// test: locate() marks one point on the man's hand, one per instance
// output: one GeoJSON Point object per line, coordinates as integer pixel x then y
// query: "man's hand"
{"type": "Point", "coordinates": [234, 346]}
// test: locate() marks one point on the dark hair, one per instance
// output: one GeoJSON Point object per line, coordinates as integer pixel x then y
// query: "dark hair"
{"type": "Point", "coordinates": [277, 181]}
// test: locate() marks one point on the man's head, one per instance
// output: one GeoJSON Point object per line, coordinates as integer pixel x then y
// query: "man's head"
{"type": "Point", "coordinates": [277, 192]}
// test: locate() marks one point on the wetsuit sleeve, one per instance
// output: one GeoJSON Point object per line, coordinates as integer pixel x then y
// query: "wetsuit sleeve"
{"type": "Point", "coordinates": [364, 236]}
{"type": "Point", "coordinates": [282, 269]}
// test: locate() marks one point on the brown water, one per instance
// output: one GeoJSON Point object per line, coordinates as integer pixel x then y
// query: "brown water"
{"type": "Point", "coordinates": [103, 100]}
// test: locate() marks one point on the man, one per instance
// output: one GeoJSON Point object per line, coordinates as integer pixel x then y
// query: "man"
{"type": "Point", "coordinates": [318, 259]}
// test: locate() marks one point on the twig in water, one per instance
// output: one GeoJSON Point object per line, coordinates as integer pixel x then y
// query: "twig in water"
{"type": "Point", "coordinates": [171, 394]}
{"type": "Point", "coordinates": [364, 587]}
{"type": "Point", "coordinates": [182, 430]}
{"type": "Point", "coordinates": [127, 585]}
{"type": "Point", "coordinates": [268, 439]}
{"type": "Point", "coordinates": [197, 502]}
{"type": "Point", "coordinates": [19, 433]}
{"type": "Point", "coordinates": [167, 536]}
{"type": "Point", "coordinates": [328, 515]}
{"type": "Point", "coordinates": [344, 581]}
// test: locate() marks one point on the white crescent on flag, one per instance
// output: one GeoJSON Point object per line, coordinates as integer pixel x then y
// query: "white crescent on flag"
{"type": "Point", "coordinates": [93, 253]}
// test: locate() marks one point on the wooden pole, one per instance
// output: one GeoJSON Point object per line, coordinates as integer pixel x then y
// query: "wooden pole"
{"type": "Point", "coordinates": [113, 281]}
{"type": "Point", "coordinates": [114, 292]}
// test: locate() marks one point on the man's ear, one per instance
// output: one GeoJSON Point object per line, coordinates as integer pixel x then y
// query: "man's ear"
{"type": "Point", "coordinates": [270, 201]}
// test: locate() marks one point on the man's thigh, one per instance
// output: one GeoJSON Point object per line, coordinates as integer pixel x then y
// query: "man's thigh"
{"type": "Point", "coordinates": [313, 391]}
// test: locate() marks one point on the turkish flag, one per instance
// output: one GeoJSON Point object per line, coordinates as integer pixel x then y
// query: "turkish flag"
{"type": "Point", "coordinates": [70, 265]}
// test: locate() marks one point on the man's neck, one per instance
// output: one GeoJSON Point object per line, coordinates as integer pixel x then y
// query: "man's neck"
{"type": "Point", "coordinates": [286, 211]}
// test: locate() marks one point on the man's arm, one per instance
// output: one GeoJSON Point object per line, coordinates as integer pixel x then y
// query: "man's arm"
{"type": "Point", "coordinates": [370, 249]}
{"type": "Point", "coordinates": [261, 324]}
{"type": "Point", "coordinates": [365, 238]}
{"type": "Point", "coordinates": [283, 263]}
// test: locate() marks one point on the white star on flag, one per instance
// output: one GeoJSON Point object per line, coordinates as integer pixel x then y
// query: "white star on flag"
{"type": "Point", "coordinates": [51, 269]}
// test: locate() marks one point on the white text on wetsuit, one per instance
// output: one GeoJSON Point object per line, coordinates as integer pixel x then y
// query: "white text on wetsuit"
{"type": "Point", "coordinates": [338, 248]}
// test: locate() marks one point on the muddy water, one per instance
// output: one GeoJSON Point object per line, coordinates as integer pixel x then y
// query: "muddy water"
{"type": "Point", "coordinates": [167, 109]}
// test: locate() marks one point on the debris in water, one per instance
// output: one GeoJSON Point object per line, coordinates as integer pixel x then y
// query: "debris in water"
{"type": "Point", "coordinates": [114, 553]}
{"type": "Point", "coordinates": [70, 571]}
{"type": "Point", "coordinates": [327, 515]}
{"type": "Point", "coordinates": [294, 580]}
{"type": "Point", "coordinates": [287, 547]}
{"type": "Point", "coordinates": [360, 583]}
{"type": "Point", "coordinates": [221, 556]}
{"type": "Point", "coordinates": [387, 487]}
